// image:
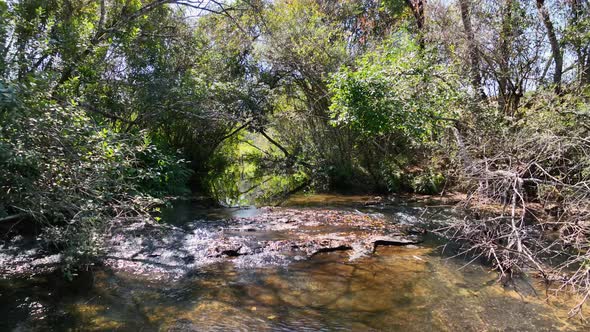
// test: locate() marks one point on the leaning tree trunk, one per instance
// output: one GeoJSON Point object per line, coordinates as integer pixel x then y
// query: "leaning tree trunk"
{"type": "Point", "coordinates": [417, 7]}
{"type": "Point", "coordinates": [473, 50]}
{"type": "Point", "coordinates": [579, 13]}
{"type": "Point", "coordinates": [507, 96]}
{"type": "Point", "coordinates": [555, 49]}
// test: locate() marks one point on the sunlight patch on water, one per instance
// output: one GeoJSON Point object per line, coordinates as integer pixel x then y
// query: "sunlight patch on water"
{"type": "Point", "coordinates": [405, 289]}
{"type": "Point", "coordinates": [411, 288]}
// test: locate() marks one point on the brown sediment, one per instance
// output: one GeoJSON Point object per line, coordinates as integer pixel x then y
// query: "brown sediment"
{"type": "Point", "coordinates": [398, 288]}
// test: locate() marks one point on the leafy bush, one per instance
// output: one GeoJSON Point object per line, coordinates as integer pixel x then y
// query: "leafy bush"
{"type": "Point", "coordinates": [61, 168]}
{"type": "Point", "coordinates": [397, 88]}
{"type": "Point", "coordinates": [428, 183]}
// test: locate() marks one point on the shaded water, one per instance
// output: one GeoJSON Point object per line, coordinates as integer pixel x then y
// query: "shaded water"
{"type": "Point", "coordinates": [412, 288]}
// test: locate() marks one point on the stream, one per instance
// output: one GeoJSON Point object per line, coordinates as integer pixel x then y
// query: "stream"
{"type": "Point", "coordinates": [395, 285]}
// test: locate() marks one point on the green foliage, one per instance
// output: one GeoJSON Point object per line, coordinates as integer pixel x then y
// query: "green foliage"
{"type": "Point", "coordinates": [402, 99]}
{"type": "Point", "coordinates": [61, 168]}
{"type": "Point", "coordinates": [395, 178]}
{"type": "Point", "coordinates": [398, 88]}
{"type": "Point", "coordinates": [399, 180]}
{"type": "Point", "coordinates": [302, 39]}
{"type": "Point", "coordinates": [428, 183]}
{"type": "Point", "coordinates": [5, 19]}
{"type": "Point", "coordinates": [246, 171]}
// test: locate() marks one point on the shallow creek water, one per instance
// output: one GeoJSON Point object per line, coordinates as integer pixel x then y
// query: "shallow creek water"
{"type": "Point", "coordinates": [398, 288]}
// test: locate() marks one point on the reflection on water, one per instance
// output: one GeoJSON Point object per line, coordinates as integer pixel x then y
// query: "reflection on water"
{"type": "Point", "coordinates": [397, 289]}
{"type": "Point", "coordinates": [323, 200]}
{"type": "Point", "coordinates": [184, 211]}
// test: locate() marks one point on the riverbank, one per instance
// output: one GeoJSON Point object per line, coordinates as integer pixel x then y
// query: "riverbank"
{"type": "Point", "coordinates": [200, 225]}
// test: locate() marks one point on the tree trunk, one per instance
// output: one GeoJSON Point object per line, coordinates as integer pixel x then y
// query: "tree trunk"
{"type": "Point", "coordinates": [504, 94]}
{"type": "Point", "coordinates": [579, 10]}
{"type": "Point", "coordinates": [555, 49]}
{"type": "Point", "coordinates": [417, 7]}
{"type": "Point", "coordinates": [473, 50]}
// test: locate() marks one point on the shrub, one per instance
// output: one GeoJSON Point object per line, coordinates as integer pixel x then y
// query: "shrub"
{"type": "Point", "coordinates": [61, 168]}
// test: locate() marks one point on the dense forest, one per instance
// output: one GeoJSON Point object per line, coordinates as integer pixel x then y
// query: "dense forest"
{"type": "Point", "coordinates": [109, 108]}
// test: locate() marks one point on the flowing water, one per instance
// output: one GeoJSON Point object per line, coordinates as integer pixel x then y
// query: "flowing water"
{"type": "Point", "coordinates": [398, 288]}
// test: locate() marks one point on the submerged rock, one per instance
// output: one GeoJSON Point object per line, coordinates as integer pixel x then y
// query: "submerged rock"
{"type": "Point", "coordinates": [276, 236]}
{"type": "Point", "coordinates": [23, 256]}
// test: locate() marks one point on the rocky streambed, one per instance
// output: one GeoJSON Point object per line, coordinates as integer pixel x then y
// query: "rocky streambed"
{"type": "Point", "coordinates": [275, 236]}
{"type": "Point", "coordinates": [327, 263]}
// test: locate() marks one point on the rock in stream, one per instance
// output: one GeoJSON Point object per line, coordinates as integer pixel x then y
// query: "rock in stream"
{"type": "Point", "coordinates": [277, 236]}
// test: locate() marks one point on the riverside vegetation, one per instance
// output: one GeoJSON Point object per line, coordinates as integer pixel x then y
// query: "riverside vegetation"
{"type": "Point", "coordinates": [109, 108]}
